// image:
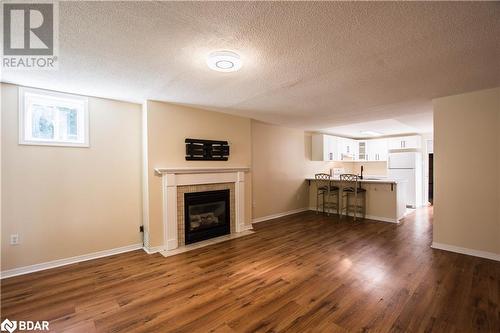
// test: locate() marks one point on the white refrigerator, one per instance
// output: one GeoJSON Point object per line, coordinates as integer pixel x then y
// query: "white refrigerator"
{"type": "Point", "coordinates": [407, 166]}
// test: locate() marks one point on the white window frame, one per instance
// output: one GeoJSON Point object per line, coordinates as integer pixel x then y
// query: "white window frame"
{"type": "Point", "coordinates": [63, 98]}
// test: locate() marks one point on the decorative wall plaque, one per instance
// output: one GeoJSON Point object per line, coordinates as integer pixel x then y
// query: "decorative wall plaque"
{"type": "Point", "coordinates": [206, 150]}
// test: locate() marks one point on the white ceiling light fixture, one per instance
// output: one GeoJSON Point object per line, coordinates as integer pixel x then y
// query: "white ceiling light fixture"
{"type": "Point", "coordinates": [371, 133]}
{"type": "Point", "coordinates": [224, 61]}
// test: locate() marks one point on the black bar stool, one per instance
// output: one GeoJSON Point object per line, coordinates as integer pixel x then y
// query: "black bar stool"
{"type": "Point", "coordinates": [350, 187]}
{"type": "Point", "coordinates": [327, 191]}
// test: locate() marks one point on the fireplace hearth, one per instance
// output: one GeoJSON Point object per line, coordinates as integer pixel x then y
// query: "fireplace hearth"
{"type": "Point", "coordinates": [207, 215]}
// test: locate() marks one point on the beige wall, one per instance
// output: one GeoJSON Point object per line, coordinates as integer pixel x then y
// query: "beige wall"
{"type": "Point", "coordinates": [168, 126]}
{"type": "Point", "coordinates": [71, 201]}
{"type": "Point", "coordinates": [371, 168]}
{"type": "Point", "coordinates": [278, 166]}
{"type": "Point", "coordinates": [467, 170]}
{"type": "Point", "coordinates": [281, 159]}
{"type": "Point", "coordinates": [66, 201]}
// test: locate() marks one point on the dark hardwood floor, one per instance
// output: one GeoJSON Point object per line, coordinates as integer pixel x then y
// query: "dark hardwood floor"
{"type": "Point", "coordinates": [302, 273]}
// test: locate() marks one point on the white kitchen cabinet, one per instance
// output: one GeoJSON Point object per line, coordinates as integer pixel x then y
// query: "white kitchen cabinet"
{"type": "Point", "coordinates": [319, 149]}
{"type": "Point", "coordinates": [430, 146]}
{"type": "Point", "coordinates": [394, 143]}
{"type": "Point", "coordinates": [333, 148]}
{"type": "Point", "coordinates": [377, 150]}
{"type": "Point", "coordinates": [362, 151]}
{"type": "Point", "coordinates": [355, 147]}
{"type": "Point", "coordinates": [404, 142]}
{"type": "Point", "coordinates": [325, 148]}
{"type": "Point", "coordinates": [347, 148]}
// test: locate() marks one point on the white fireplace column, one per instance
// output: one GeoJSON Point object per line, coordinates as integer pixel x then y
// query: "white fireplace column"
{"type": "Point", "coordinates": [174, 177]}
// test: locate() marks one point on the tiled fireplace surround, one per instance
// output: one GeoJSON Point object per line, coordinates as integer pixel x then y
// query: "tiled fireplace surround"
{"type": "Point", "coordinates": [178, 181]}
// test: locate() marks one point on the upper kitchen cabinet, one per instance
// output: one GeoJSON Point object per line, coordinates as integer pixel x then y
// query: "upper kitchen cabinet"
{"type": "Point", "coordinates": [325, 148]}
{"type": "Point", "coordinates": [404, 142]}
{"type": "Point", "coordinates": [348, 149]}
{"type": "Point", "coordinates": [430, 146]}
{"type": "Point", "coordinates": [362, 150]}
{"type": "Point", "coordinates": [333, 148]}
{"type": "Point", "coordinates": [376, 150]}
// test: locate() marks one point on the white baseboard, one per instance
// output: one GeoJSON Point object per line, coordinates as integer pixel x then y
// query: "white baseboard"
{"type": "Point", "coordinates": [275, 216]}
{"type": "Point", "coordinates": [67, 261]}
{"type": "Point", "coordinates": [380, 218]}
{"type": "Point", "coordinates": [371, 217]}
{"type": "Point", "coordinates": [172, 243]}
{"type": "Point", "coordinates": [153, 249]}
{"type": "Point", "coordinates": [245, 227]}
{"type": "Point", "coordinates": [464, 250]}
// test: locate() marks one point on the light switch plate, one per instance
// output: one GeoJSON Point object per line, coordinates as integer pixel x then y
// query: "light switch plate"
{"type": "Point", "coordinates": [14, 239]}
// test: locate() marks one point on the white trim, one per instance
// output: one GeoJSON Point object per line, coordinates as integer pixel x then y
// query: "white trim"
{"type": "Point", "coordinates": [211, 241]}
{"type": "Point", "coordinates": [153, 249]}
{"type": "Point", "coordinates": [172, 243]}
{"type": "Point", "coordinates": [172, 247]}
{"type": "Point", "coordinates": [56, 95]}
{"type": "Point", "coordinates": [464, 250]}
{"type": "Point", "coordinates": [239, 196]}
{"type": "Point", "coordinates": [379, 218]}
{"type": "Point", "coordinates": [67, 261]}
{"type": "Point", "coordinates": [169, 211]}
{"type": "Point", "coordinates": [161, 171]}
{"type": "Point", "coordinates": [373, 217]}
{"type": "Point", "coordinates": [246, 227]}
{"type": "Point", "coordinates": [145, 176]}
{"type": "Point", "coordinates": [277, 215]}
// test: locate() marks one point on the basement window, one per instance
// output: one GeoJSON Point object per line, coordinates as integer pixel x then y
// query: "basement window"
{"type": "Point", "coordinates": [52, 119]}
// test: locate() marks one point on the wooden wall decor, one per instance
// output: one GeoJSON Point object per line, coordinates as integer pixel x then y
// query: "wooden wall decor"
{"type": "Point", "coordinates": [206, 150]}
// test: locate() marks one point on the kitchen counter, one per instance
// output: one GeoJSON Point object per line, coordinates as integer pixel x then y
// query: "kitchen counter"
{"type": "Point", "coordinates": [366, 180]}
{"type": "Point", "coordinates": [385, 197]}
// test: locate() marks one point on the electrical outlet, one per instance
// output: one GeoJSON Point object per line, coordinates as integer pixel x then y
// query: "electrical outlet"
{"type": "Point", "coordinates": [254, 204]}
{"type": "Point", "coordinates": [14, 239]}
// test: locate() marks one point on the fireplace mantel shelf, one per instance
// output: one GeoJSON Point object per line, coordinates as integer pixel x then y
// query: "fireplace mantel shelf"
{"type": "Point", "coordinates": [161, 171]}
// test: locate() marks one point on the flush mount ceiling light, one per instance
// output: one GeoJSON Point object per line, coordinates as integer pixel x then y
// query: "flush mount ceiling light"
{"type": "Point", "coordinates": [371, 133]}
{"type": "Point", "coordinates": [224, 61]}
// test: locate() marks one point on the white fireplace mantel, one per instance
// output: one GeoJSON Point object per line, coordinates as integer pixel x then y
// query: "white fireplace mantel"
{"type": "Point", "coordinates": [161, 171]}
{"type": "Point", "coordinates": [174, 177]}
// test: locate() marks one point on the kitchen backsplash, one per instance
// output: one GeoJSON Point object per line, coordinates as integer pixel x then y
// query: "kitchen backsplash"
{"type": "Point", "coordinates": [370, 168]}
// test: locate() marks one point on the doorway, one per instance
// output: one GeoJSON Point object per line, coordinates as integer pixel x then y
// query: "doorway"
{"type": "Point", "coordinates": [431, 178]}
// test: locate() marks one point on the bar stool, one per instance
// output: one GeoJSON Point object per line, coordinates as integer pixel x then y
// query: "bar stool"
{"type": "Point", "coordinates": [351, 188]}
{"type": "Point", "coordinates": [327, 191]}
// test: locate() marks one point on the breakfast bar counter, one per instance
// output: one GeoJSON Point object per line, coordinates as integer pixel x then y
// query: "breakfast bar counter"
{"type": "Point", "coordinates": [385, 198]}
{"type": "Point", "coordinates": [379, 180]}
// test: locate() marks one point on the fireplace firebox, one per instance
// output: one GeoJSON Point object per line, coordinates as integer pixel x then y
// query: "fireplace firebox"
{"type": "Point", "coordinates": [206, 215]}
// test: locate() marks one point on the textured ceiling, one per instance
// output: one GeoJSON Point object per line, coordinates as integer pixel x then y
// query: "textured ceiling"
{"type": "Point", "coordinates": [312, 65]}
{"type": "Point", "coordinates": [406, 124]}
